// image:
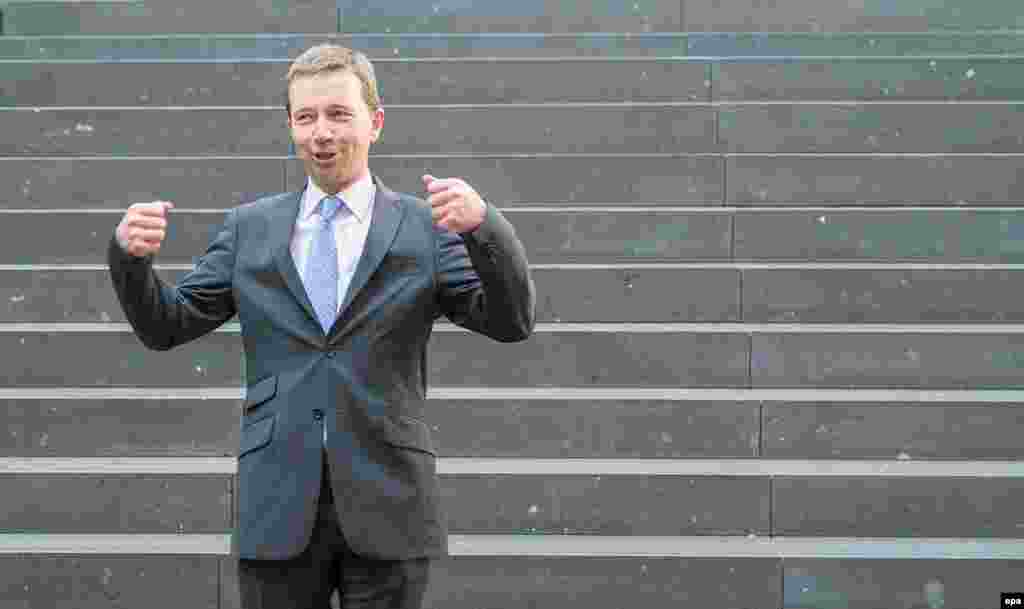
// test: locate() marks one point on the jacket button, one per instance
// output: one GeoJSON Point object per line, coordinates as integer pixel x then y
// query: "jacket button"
{"type": "Point", "coordinates": [330, 354]}
{"type": "Point", "coordinates": [318, 415]}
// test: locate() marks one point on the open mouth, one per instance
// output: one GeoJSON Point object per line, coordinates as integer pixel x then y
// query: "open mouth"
{"type": "Point", "coordinates": [323, 156]}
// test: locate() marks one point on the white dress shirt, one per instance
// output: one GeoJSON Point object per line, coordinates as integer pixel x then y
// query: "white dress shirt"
{"type": "Point", "coordinates": [351, 226]}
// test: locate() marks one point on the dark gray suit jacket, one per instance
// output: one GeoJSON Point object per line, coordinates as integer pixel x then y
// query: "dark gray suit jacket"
{"type": "Point", "coordinates": [365, 380]}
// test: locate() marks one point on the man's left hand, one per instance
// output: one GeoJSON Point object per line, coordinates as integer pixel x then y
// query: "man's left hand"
{"type": "Point", "coordinates": [456, 206]}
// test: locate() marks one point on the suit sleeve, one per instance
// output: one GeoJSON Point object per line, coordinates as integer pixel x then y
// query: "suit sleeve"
{"type": "Point", "coordinates": [484, 281]}
{"type": "Point", "coordinates": [164, 316]}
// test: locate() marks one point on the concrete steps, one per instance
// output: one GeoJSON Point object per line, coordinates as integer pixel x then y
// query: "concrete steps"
{"type": "Point", "coordinates": [776, 247]}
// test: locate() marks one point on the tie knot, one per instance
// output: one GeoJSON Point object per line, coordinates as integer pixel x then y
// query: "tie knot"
{"type": "Point", "coordinates": [329, 206]}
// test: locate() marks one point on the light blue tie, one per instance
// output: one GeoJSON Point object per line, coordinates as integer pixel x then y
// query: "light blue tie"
{"type": "Point", "coordinates": [322, 270]}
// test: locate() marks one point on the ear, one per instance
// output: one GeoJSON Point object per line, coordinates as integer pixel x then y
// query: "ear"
{"type": "Point", "coordinates": [378, 124]}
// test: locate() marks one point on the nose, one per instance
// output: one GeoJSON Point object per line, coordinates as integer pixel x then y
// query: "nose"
{"type": "Point", "coordinates": [321, 130]}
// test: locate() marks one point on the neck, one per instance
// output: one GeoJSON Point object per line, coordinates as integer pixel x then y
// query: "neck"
{"type": "Point", "coordinates": [333, 188]}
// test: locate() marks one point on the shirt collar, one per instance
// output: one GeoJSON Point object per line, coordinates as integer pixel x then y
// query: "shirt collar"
{"type": "Point", "coordinates": [358, 197]}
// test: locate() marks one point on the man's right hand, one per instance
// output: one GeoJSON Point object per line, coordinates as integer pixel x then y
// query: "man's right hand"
{"type": "Point", "coordinates": [143, 228]}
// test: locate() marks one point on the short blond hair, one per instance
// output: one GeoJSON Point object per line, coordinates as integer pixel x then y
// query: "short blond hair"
{"type": "Point", "coordinates": [327, 58]}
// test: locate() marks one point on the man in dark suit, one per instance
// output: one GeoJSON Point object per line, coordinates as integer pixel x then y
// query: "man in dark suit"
{"type": "Point", "coordinates": [336, 288]}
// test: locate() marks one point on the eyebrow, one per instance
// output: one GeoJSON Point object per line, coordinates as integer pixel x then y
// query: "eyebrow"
{"type": "Point", "coordinates": [331, 107]}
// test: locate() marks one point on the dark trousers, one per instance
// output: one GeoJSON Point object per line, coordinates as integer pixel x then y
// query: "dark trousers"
{"type": "Point", "coordinates": [328, 564]}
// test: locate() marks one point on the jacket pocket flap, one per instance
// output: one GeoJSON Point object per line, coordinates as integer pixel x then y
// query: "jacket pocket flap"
{"type": "Point", "coordinates": [397, 263]}
{"type": "Point", "coordinates": [257, 435]}
{"type": "Point", "coordinates": [406, 432]}
{"type": "Point", "coordinates": [260, 392]}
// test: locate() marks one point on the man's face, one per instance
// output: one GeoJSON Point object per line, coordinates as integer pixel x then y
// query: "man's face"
{"type": "Point", "coordinates": [332, 128]}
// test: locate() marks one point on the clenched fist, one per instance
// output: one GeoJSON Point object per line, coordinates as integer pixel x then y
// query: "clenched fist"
{"type": "Point", "coordinates": [143, 228]}
{"type": "Point", "coordinates": [455, 205]}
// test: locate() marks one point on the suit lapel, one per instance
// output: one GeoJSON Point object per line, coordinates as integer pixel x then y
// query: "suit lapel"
{"type": "Point", "coordinates": [387, 215]}
{"type": "Point", "coordinates": [282, 225]}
